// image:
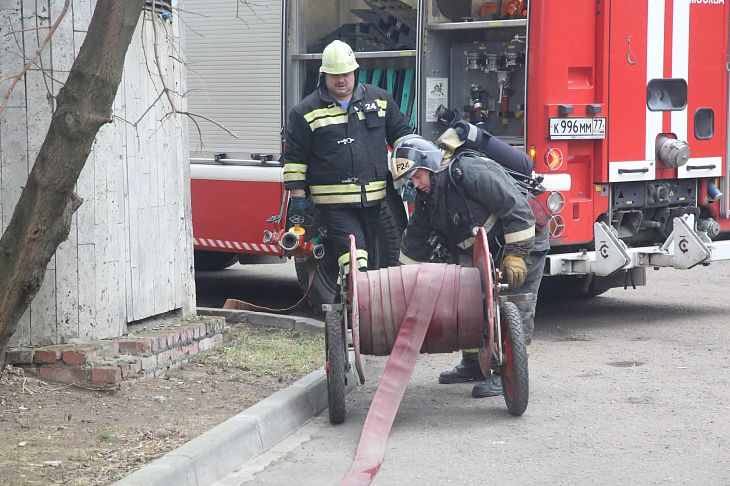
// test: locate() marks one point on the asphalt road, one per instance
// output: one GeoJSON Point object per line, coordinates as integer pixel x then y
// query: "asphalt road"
{"type": "Point", "coordinates": [632, 387]}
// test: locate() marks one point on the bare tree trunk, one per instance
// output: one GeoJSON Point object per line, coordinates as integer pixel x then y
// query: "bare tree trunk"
{"type": "Point", "coordinates": [42, 217]}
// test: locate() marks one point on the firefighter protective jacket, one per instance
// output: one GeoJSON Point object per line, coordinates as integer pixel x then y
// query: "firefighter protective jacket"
{"type": "Point", "coordinates": [472, 191]}
{"type": "Point", "coordinates": [340, 155]}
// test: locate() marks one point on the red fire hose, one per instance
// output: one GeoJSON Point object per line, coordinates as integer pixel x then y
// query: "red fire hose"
{"type": "Point", "coordinates": [402, 311]}
{"type": "Point", "coordinates": [385, 295]}
{"type": "Point", "coordinates": [373, 441]}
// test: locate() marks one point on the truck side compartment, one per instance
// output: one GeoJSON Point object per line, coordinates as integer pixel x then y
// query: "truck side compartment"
{"type": "Point", "coordinates": [234, 56]}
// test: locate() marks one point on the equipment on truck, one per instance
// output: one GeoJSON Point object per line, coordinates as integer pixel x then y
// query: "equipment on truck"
{"type": "Point", "coordinates": [387, 25]}
{"type": "Point", "coordinates": [294, 244]}
{"type": "Point", "coordinates": [625, 153]}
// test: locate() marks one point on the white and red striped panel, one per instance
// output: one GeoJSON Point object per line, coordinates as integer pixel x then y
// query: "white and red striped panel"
{"type": "Point", "coordinates": [232, 207]}
{"type": "Point", "coordinates": [683, 39]}
{"type": "Point", "coordinates": [242, 247]}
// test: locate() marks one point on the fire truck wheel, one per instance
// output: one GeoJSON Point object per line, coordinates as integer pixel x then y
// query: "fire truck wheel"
{"type": "Point", "coordinates": [393, 221]}
{"type": "Point", "coordinates": [336, 366]}
{"type": "Point", "coordinates": [569, 287]}
{"type": "Point", "coordinates": [515, 376]}
{"type": "Point", "coordinates": [324, 286]}
{"type": "Point", "coordinates": [214, 260]}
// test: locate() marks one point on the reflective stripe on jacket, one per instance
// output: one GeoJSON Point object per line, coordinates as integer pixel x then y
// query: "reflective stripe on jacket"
{"type": "Point", "coordinates": [340, 155]}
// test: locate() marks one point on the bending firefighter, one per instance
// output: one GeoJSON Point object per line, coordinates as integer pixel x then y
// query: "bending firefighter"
{"type": "Point", "coordinates": [336, 155]}
{"type": "Point", "coordinates": [455, 196]}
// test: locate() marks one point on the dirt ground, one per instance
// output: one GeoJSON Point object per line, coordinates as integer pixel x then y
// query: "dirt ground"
{"type": "Point", "coordinates": [64, 434]}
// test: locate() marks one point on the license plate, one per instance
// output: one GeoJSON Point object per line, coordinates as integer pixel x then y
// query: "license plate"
{"type": "Point", "coordinates": [577, 128]}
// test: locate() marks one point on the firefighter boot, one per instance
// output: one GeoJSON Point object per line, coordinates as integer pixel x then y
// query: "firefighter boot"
{"type": "Point", "coordinates": [491, 387]}
{"type": "Point", "coordinates": [467, 370]}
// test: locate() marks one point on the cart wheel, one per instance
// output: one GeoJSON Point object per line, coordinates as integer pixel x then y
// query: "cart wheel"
{"type": "Point", "coordinates": [336, 363]}
{"type": "Point", "coordinates": [515, 377]}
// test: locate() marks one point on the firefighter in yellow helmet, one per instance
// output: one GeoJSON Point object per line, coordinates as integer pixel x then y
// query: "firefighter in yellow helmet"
{"type": "Point", "coordinates": [336, 155]}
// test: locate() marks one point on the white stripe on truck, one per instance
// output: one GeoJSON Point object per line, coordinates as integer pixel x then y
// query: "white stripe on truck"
{"type": "Point", "coordinates": [243, 173]}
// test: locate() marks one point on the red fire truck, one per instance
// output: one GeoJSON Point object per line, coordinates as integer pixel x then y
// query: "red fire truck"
{"type": "Point", "coordinates": [621, 103]}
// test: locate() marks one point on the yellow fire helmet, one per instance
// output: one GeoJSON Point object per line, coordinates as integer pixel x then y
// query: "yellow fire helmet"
{"type": "Point", "coordinates": [338, 58]}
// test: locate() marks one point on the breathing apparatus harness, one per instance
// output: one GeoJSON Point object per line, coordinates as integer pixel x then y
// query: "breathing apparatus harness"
{"type": "Point", "coordinates": [527, 183]}
{"type": "Point", "coordinates": [441, 250]}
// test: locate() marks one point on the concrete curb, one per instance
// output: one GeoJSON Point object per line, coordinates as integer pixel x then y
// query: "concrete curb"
{"type": "Point", "coordinates": [219, 451]}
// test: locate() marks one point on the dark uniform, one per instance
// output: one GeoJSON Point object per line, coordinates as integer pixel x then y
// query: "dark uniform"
{"type": "Point", "coordinates": [340, 157]}
{"type": "Point", "coordinates": [476, 191]}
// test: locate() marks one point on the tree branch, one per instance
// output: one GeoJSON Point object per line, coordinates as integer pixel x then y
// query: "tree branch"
{"type": "Point", "coordinates": [29, 29]}
{"type": "Point", "coordinates": [167, 92]}
{"type": "Point", "coordinates": [37, 53]}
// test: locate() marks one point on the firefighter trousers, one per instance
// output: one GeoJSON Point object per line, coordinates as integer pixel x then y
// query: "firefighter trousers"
{"type": "Point", "coordinates": [340, 223]}
{"type": "Point", "coordinates": [535, 269]}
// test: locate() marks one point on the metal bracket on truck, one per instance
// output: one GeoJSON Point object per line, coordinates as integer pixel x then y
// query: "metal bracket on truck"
{"type": "Point", "coordinates": [683, 249]}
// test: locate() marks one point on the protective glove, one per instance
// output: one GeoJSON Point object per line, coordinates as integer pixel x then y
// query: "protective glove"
{"type": "Point", "coordinates": [514, 269]}
{"type": "Point", "coordinates": [300, 212]}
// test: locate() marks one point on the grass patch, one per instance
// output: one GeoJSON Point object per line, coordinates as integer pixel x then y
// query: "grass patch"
{"type": "Point", "coordinates": [258, 351]}
{"type": "Point", "coordinates": [107, 437]}
{"type": "Point", "coordinates": [77, 456]}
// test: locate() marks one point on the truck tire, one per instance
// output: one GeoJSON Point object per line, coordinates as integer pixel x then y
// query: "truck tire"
{"type": "Point", "coordinates": [324, 286]}
{"type": "Point", "coordinates": [393, 222]}
{"type": "Point", "coordinates": [561, 288]}
{"type": "Point", "coordinates": [213, 260]}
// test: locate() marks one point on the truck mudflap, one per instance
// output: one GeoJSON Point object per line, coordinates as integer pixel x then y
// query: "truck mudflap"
{"type": "Point", "coordinates": [683, 249]}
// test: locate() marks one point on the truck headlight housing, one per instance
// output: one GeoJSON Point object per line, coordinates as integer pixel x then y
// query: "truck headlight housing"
{"type": "Point", "coordinates": [555, 202]}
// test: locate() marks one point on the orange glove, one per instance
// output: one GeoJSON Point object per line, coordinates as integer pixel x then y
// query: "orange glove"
{"type": "Point", "coordinates": [514, 269]}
